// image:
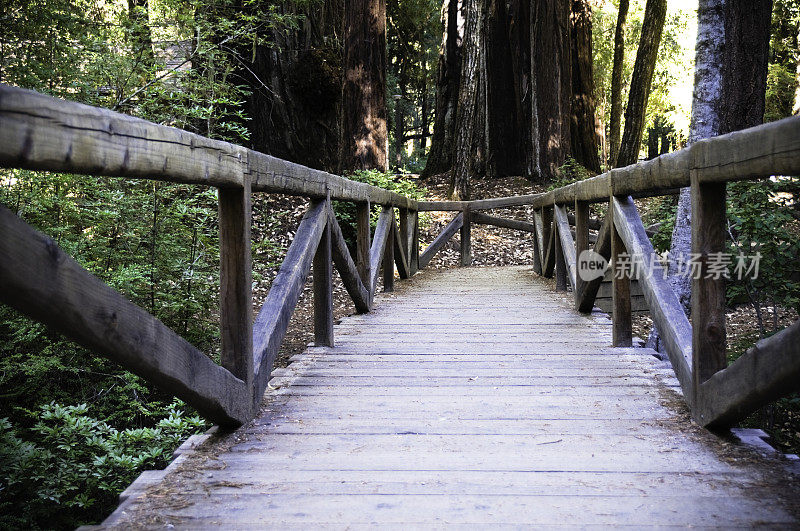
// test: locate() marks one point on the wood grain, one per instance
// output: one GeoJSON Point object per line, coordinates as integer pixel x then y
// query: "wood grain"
{"type": "Point", "coordinates": [436, 245]}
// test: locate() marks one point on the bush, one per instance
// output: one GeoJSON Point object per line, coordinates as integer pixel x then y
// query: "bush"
{"type": "Point", "coordinates": [69, 467]}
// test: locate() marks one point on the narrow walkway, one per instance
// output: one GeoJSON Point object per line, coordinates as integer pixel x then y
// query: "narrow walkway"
{"type": "Point", "coordinates": [472, 397]}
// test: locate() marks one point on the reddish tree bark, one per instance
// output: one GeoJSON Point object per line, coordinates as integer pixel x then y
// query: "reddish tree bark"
{"type": "Point", "coordinates": [364, 129]}
{"type": "Point", "coordinates": [585, 142]}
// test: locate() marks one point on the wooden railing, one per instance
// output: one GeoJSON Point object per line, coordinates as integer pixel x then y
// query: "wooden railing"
{"type": "Point", "coordinates": [719, 395]}
{"type": "Point", "coordinates": [42, 133]}
{"type": "Point", "coordinates": [38, 132]}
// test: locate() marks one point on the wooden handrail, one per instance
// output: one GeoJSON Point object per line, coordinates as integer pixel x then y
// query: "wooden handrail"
{"type": "Point", "coordinates": [39, 132]}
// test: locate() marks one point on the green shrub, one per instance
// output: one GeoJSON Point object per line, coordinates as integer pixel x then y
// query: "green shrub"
{"type": "Point", "coordinates": [68, 468]}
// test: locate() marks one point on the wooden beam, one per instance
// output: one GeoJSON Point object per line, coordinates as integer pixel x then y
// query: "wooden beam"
{"type": "Point", "coordinates": [561, 265]}
{"type": "Point", "coordinates": [40, 280]}
{"type": "Point", "coordinates": [273, 319]}
{"type": "Point", "coordinates": [39, 132]}
{"type": "Point", "coordinates": [567, 245]}
{"type": "Point", "coordinates": [665, 309]}
{"type": "Point", "coordinates": [586, 292]}
{"type": "Point", "coordinates": [537, 239]}
{"type": "Point", "coordinates": [708, 293]}
{"type": "Point", "coordinates": [484, 219]}
{"type": "Point", "coordinates": [388, 255]}
{"type": "Point", "coordinates": [376, 252]}
{"type": "Point", "coordinates": [323, 290]}
{"type": "Point", "coordinates": [236, 282]}
{"type": "Point", "coordinates": [540, 242]}
{"type": "Point", "coordinates": [363, 241]}
{"type": "Point", "coordinates": [413, 260]}
{"type": "Point", "coordinates": [466, 238]}
{"type": "Point", "coordinates": [549, 261]}
{"type": "Point", "coordinates": [400, 256]}
{"type": "Point", "coordinates": [404, 232]}
{"type": "Point", "coordinates": [582, 225]}
{"type": "Point", "coordinates": [622, 324]}
{"type": "Point", "coordinates": [767, 371]}
{"type": "Point", "coordinates": [436, 245]}
{"type": "Point", "coordinates": [346, 267]}
{"type": "Point", "coordinates": [480, 204]}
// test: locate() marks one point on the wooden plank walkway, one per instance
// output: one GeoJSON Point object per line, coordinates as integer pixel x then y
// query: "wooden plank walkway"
{"type": "Point", "coordinates": [469, 397]}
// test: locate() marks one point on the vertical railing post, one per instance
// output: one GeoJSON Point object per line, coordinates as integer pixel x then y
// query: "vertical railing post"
{"type": "Point", "coordinates": [622, 323]}
{"type": "Point", "coordinates": [547, 231]}
{"type": "Point", "coordinates": [388, 259]}
{"type": "Point", "coordinates": [323, 289]}
{"type": "Point", "coordinates": [708, 286]}
{"type": "Point", "coordinates": [581, 243]}
{"type": "Point", "coordinates": [466, 238]}
{"type": "Point", "coordinates": [363, 242]}
{"type": "Point", "coordinates": [405, 234]}
{"type": "Point", "coordinates": [236, 282]}
{"type": "Point", "coordinates": [413, 260]}
{"type": "Point", "coordinates": [561, 264]}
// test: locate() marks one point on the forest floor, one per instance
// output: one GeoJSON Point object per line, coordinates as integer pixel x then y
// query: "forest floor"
{"type": "Point", "coordinates": [491, 246]}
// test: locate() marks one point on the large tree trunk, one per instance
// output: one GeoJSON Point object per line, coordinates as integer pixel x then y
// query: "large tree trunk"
{"type": "Point", "coordinates": [469, 130]}
{"type": "Point", "coordinates": [364, 130]}
{"type": "Point", "coordinates": [585, 141]}
{"type": "Point", "coordinates": [615, 123]}
{"type": "Point", "coordinates": [654, 15]}
{"type": "Point", "coordinates": [440, 157]}
{"type": "Point", "coordinates": [296, 89]}
{"type": "Point", "coordinates": [729, 87]}
{"type": "Point", "coordinates": [551, 70]}
{"type": "Point", "coordinates": [503, 146]}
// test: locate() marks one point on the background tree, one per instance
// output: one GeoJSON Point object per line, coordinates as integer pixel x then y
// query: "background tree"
{"type": "Point", "coordinates": [615, 123]}
{"type": "Point", "coordinates": [585, 145]}
{"type": "Point", "coordinates": [652, 28]}
{"type": "Point", "coordinates": [364, 144]}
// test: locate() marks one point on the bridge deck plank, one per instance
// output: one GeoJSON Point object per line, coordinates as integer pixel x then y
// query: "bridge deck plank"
{"type": "Point", "coordinates": [467, 397]}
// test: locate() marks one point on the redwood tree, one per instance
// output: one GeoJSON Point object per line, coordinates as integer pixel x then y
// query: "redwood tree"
{"type": "Point", "coordinates": [655, 13]}
{"type": "Point", "coordinates": [584, 127]}
{"type": "Point", "coordinates": [363, 115]}
{"type": "Point", "coordinates": [615, 122]}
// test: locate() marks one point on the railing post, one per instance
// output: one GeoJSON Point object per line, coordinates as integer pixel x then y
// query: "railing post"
{"type": "Point", "coordinates": [413, 260]}
{"type": "Point", "coordinates": [622, 325]}
{"type": "Point", "coordinates": [466, 235]}
{"type": "Point", "coordinates": [323, 289]}
{"type": "Point", "coordinates": [363, 241]}
{"type": "Point", "coordinates": [236, 282]}
{"type": "Point", "coordinates": [708, 287]}
{"type": "Point", "coordinates": [548, 264]}
{"type": "Point", "coordinates": [388, 259]}
{"type": "Point", "coordinates": [581, 243]}
{"type": "Point", "coordinates": [561, 264]}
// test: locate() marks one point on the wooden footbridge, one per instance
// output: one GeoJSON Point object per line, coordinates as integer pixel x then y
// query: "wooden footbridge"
{"type": "Point", "coordinates": [471, 396]}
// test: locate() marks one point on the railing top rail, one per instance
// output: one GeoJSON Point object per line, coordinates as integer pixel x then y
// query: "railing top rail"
{"type": "Point", "coordinates": [39, 132]}
{"type": "Point", "coordinates": [762, 151]}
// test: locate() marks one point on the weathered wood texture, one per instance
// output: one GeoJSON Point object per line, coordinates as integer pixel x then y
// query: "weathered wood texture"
{"type": "Point", "coordinates": [622, 323]}
{"type": "Point", "coordinates": [666, 311]}
{"type": "Point", "coordinates": [436, 245]}
{"type": "Point", "coordinates": [485, 219]}
{"type": "Point", "coordinates": [766, 372]}
{"type": "Point", "coordinates": [586, 292]}
{"type": "Point", "coordinates": [466, 238]}
{"type": "Point", "coordinates": [40, 280]}
{"type": "Point", "coordinates": [273, 319]}
{"type": "Point", "coordinates": [567, 245]}
{"type": "Point", "coordinates": [376, 253]}
{"type": "Point", "coordinates": [408, 431]}
{"type": "Point", "coordinates": [323, 290]}
{"type": "Point", "coordinates": [43, 133]}
{"type": "Point", "coordinates": [236, 281]}
{"type": "Point", "coordinates": [348, 271]}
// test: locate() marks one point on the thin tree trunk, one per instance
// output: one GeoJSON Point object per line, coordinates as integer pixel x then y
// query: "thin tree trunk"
{"type": "Point", "coordinates": [585, 142]}
{"type": "Point", "coordinates": [140, 36]}
{"type": "Point", "coordinates": [364, 130]}
{"type": "Point", "coordinates": [440, 157]}
{"type": "Point", "coordinates": [615, 121]}
{"type": "Point", "coordinates": [654, 15]}
{"type": "Point", "coordinates": [468, 129]}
